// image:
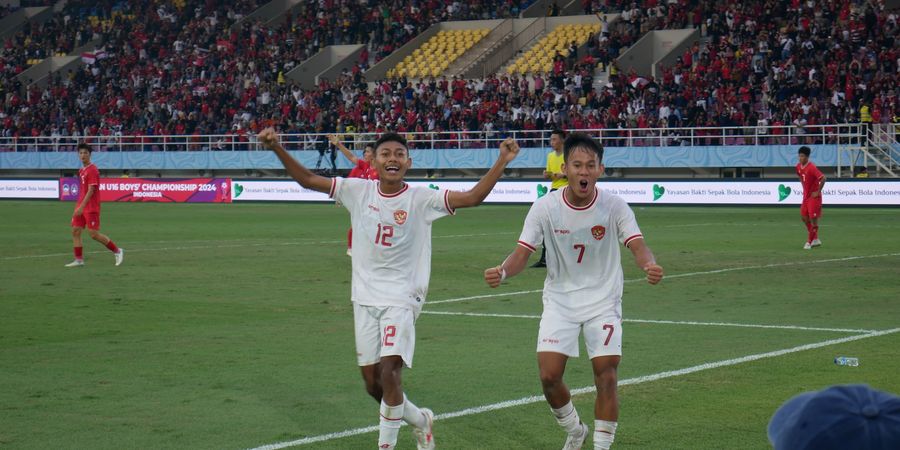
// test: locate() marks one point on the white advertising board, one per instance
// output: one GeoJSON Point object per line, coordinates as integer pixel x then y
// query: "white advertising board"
{"type": "Point", "coordinates": [868, 193]}
{"type": "Point", "coordinates": [29, 189]}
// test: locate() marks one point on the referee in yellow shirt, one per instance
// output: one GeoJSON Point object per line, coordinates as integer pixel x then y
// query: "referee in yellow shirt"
{"type": "Point", "coordinates": [554, 172]}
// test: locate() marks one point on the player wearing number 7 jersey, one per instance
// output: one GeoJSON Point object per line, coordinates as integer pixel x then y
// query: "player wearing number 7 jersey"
{"type": "Point", "coordinates": [391, 266]}
{"type": "Point", "coordinates": [582, 228]}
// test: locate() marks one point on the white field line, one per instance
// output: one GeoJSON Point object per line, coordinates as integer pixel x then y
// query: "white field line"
{"type": "Point", "coordinates": [589, 389]}
{"type": "Point", "coordinates": [681, 275]}
{"type": "Point", "coordinates": [665, 322]}
{"type": "Point", "coordinates": [240, 245]}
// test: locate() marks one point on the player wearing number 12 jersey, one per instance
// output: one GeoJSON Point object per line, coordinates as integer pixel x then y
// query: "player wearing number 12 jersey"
{"type": "Point", "coordinates": [391, 266]}
{"type": "Point", "coordinates": [582, 228]}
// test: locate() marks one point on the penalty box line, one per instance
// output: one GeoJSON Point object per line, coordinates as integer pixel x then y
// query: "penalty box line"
{"type": "Point", "coordinates": [589, 389]}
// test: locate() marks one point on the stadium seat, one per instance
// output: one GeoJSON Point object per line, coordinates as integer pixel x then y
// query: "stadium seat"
{"type": "Point", "coordinates": [437, 53]}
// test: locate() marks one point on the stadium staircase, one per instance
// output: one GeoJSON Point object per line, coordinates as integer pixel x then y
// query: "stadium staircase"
{"type": "Point", "coordinates": [883, 149]}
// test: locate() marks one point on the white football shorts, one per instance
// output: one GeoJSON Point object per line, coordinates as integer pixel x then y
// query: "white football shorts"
{"type": "Point", "coordinates": [602, 335]}
{"type": "Point", "coordinates": [384, 331]}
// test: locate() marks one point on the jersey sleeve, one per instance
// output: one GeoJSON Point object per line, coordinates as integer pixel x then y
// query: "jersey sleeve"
{"type": "Point", "coordinates": [435, 203]}
{"type": "Point", "coordinates": [93, 177]}
{"type": "Point", "coordinates": [817, 174]}
{"type": "Point", "coordinates": [533, 230]}
{"type": "Point", "coordinates": [626, 224]}
{"type": "Point", "coordinates": [347, 191]}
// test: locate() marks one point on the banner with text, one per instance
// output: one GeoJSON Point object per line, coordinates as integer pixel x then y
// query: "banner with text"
{"type": "Point", "coordinates": [866, 193]}
{"type": "Point", "coordinates": [29, 188]}
{"type": "Point", "coordinates": [182, 190]}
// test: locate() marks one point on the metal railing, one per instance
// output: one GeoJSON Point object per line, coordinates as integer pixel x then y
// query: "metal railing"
{"type": "Point", "coordinates": [843, 134]}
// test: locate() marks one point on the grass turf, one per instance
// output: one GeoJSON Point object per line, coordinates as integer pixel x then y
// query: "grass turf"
{"type": "Point", "coordinates": [229, 326]}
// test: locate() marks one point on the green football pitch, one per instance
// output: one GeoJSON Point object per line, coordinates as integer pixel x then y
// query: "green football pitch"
{"type": "Point", "coordinates": [230, 327]}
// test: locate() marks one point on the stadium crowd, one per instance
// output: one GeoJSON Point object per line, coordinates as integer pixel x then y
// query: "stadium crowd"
{"type": "Point", "coordinates": [188, 70]}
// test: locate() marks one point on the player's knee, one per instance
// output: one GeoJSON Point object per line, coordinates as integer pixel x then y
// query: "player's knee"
{"type": "Point", "coordinates": [550, 377]}
{"type": "Point", "coordinates": [95, 235]}
{"type": "Point", "coordinates": [606, 380]}
{"type": "Point", "coordinates": [390, 371]}
{"type": "Point", "coordinates": [76, 232]}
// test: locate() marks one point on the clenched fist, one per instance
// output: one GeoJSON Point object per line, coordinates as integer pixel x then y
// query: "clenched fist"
{"type": "Point", "coordinates": [493, 276]}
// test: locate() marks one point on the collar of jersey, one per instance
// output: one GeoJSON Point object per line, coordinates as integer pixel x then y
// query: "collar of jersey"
{"type": "Point", "coordinates": [579, 208]}
{"type": "Point", "coordinates": [402, 190]}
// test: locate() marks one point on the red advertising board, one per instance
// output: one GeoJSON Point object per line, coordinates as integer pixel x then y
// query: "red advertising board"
{"type": "Point", "coordinates": [193, 190]}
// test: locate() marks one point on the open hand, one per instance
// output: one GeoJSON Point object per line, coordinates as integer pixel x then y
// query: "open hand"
{"type": "Point", "coordinates": [509, 149]}
{"type": "Point", "coordinates": [654, 273]}
{"type": "Point", "coordinates": [268, 137]}
{"type": "Point", "coordinates": [333, 139]}
{"type": "Point", "coordinates": [493, 276]}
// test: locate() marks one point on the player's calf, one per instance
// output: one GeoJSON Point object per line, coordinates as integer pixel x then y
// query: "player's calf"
{"type": "Point", "coordinates": [371, 378]}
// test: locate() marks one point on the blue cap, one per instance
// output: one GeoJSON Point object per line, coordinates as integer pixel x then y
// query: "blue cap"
{"type": "Point", "coordinates": [847, 417]}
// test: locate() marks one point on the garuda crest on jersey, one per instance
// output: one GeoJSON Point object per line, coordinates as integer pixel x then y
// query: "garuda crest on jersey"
{"type": "Point", "coordinates": [598, 232]}
{"type": "Point", "coordinates": [400, 216]}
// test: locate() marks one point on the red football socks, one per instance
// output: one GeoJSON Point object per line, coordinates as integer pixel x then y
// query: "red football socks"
{"type": "Point", "coordinates": [112, 246]}
{"type": "Point", "coordinates": [79, 252]}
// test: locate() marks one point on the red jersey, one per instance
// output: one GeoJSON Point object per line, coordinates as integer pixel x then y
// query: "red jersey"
{"type": "Point", "coordinates": [363, 170]}
{"type": "Point", "coordinates": [89, 176]}
{"type": "Point", "coordinates": [810, 177]}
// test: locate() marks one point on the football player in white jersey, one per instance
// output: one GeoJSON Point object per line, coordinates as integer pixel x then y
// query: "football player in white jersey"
{"type": "Point", "coordinates": [391, 266]}
{"type": "Point", "coordinates": [582, 228]}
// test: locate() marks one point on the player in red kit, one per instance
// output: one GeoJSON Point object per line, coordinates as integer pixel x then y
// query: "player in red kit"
{"type": "Point", "coordinates": [362, 168]}
{"type": "Point", "coordinates": [87, 210]}
{"type": "Point", "coordinates": [812, 180]}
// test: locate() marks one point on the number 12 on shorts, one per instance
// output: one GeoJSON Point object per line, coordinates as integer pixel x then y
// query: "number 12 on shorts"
{"type": "Point", "coordinates": [390, 331]}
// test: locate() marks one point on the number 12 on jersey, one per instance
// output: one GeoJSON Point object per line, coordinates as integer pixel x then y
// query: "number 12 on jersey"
{"type": "Point", "coordinates": [384, 232]}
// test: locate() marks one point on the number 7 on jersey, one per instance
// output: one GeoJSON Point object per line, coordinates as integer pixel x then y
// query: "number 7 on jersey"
{"type": "Point", "coordinates": [580, 248]}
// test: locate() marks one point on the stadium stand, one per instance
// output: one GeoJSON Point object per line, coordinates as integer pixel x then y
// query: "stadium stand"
{"type": "Point", "coordinates": [552, 49]}
{"type": "Point", "coordinates": [433, 57]}
{"type": "Point", "coordinates": [760, 64]}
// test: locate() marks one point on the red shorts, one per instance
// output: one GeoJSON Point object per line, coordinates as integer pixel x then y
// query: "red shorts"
{"type": "Point", "coordinates": [92, 220]}
{"type": "Point", "coordinates": [811, 207]}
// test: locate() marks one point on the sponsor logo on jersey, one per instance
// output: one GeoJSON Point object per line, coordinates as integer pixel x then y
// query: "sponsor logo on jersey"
{"type": "Point", "coordinates": [598, 232]}
{"type": "Point", "coordinates": [557, 231]}
{"type": "Point", "coordinates": [400, 216]}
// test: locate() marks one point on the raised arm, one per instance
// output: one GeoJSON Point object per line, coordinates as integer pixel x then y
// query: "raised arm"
{"type": "Point", "coordinates": [509, 149]}
{"type": "Point", "coordinates": [346, 151]}
{"type": "Point", "coordinates": [302, 175]}
{"type": "Point", "coordinates": [512, 266]}
{"type": "Point", "coordinates": [644, 259]}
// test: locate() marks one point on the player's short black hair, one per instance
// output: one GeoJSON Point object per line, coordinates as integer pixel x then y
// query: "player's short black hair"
{"type": "Point", "coordinates": [804, 150]}
{"type": "Point", "coordinates": [583, 141]}
{"type": "Point", "coordinates": [558, 132]}
{"type": "Point", "coordinates": [391, 137]}
{"type": "Point", "coordinates": [85, 147]}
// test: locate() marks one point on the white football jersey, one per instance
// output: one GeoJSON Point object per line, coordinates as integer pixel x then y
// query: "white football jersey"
{"type": "Point", "coordinates": [391, 240]}
{"type": "Point", "coordinates": [584, 267]}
